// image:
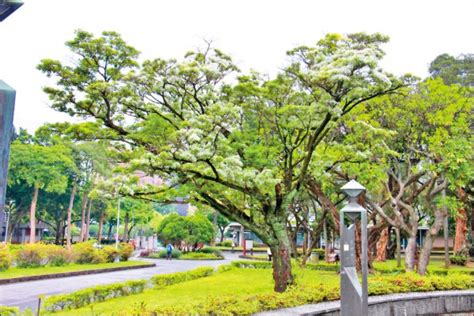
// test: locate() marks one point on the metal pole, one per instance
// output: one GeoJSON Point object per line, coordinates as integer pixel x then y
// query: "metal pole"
{"type": "Point", "coordinates": [118, 224]}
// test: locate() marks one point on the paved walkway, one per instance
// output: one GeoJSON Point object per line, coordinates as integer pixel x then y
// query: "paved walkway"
{"type": "Point", "coordinates": [26, 294]}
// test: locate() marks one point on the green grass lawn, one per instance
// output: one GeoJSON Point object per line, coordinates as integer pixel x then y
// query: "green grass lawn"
{"type": "Point", "coordinates": [237, 282]}
{"type": "Point", "coordinates": [23, 272]}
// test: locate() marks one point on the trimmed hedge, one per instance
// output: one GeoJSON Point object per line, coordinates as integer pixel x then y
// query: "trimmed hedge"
{"type": "Point", "coordinates": [9, 311]}
{"type": "Point", "coordinates": [162, 280]}
{"type": "Point", "coordinates": [252, 264]}
{"type": "Point", "coordinates": [200, 256]}
{"type": "Point", "coordinates": [175, 254]}
{"type": "Point", "coordinates": [92, 295]}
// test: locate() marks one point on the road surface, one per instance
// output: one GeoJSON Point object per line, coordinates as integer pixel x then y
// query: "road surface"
{"type": "Point", "coordinates": [25, 294]}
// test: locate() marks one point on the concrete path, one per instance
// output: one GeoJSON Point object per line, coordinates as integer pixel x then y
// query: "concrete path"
{"type": "Point", "coordinates": [26, 294]}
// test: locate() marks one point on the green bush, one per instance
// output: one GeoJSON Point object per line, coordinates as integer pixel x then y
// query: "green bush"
{"type": "Point", "coordinates": [57, 255]}
{"type": "Point", "coordinates": [224, 268]}
{"type": "Point", "coordinates": [110, 253]}
{"type": "Point", "coordinates": [125, 251]}
{"type": "Point", "coordinates": [252, 264]}
{"type": "Point", "coordinates": [225, 243]}
{"type": "Point", "coordinates": [200, 256]}
{"type": "Point", "coordinates": [175, 254]}
{"type": "Point", "coordinates": [163, 280]}
{"type": "Point", "coordinates": [459, 260]}
{"type": "Point", "coordinates": [5, 257]}
{"type": "Point", "coordinates": [319, 251]}
{"type": "Point", "coordinates": [86, 253]}
{"type": "Point", "coordinates": [323, 266]}
{"type": "Point", "coordinates": [9, 311]}
{"type": "Point", "coordinates": [32, 256]}
{"type": "Point", "coordinates": [215, 251]}
{"type": "Point", "coordinates": [92, 295]}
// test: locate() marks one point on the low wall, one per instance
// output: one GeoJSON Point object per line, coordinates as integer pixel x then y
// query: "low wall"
{"type": "Point", "coordinates": [421, 303]}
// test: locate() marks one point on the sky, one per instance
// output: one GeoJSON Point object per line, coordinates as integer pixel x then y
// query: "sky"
{"type": "Point", "coordinates": [256, 33]}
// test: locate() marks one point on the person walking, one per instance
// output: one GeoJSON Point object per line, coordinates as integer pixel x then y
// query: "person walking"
{"type": "Point", "coordinates": [169, 251]}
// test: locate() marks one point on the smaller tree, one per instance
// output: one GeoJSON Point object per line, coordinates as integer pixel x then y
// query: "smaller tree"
{"type": "Point", "coordinates": [186, 232]}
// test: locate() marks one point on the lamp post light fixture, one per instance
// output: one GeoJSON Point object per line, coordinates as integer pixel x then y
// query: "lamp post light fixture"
{"type": "Point", "coordinates": [353, 294]}
{"type": "Point", "coordinates": [7, 7]}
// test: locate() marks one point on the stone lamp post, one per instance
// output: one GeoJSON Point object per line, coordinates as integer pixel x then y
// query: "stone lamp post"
{"type": "Point", "coordinates": [353, 294]}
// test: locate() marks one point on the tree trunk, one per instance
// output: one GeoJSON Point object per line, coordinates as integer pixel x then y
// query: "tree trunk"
{"type": "Point", "coordinates": [58, 232]}
{"type": "Point", "coordinates": [125, 227]}
{"type": "Point", "coordinates": [382, 245]}
{"type": "Point", "coordinates": [83, 216]}
{"type": "Point", "coordinates": [101, 227]}
{"type": "Point", "coordinates": [410, 253]}
{"type": "Point", "coordinates": [216, 227]}
{"type": "Point", "coordinates": [33, 215]}
{"type": "Point", "coordinates": [326, 241]}
{"type": "Point", "coordinates": [398, 248]}
{"type": "Point", "coordinates": [222, 233]}
{"type": "Point", "coordinates": [88, 221]}
{"type": "Point", "coordinates": [440, 216]}
{"type": "Point", "coordinates": [69, 215]}
{"type": "Point", "coordinates": [109, 232]}
{"type": "Point", "coordinates": [461, 224]}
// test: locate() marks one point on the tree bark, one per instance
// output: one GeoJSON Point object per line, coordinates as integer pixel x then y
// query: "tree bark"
{"type": "Point", "coordinates": [58, 231]}
{"type": "Point", "coordinates": [88, 221]}
{"type": "Point", "coordinates": [83, 216]}
{"type": "Point", "coordinates": [280, 248]}
{"type": "Point", "coordinates": [382, 245]}
{"type": "Point", "coordinates": [410, 253]}
{"type": "Point", "coordinates": [398, 248]}
{"type": "Point", "coordinates": [425, 254]}
{"type": "Point", "coordinates": [125, 227]}
{"type": "Point", "coordinates": [101, 227]}
{"type": "Point", "coordinates": [34, 201]}
{"type": "Point", "coordinates": [69, 215]}
{"type": "Point", "coordinates": [461, 224]}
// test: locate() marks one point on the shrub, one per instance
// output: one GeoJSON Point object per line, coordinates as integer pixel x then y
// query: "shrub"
{"type": "Point", "coordinates": [175, 254]}
{"type": "Point", "coordinates": [57, 255]}
{"type": "Point", "coordinates": [86, 253]}
{"type": "Point", "coordinates": [224, 268]}
{"type": "Point", "coordinates": [9, 311]}
{"type": "Point", "coordinates": [320, 252]}
{"type": "Point", "coordinates": [323, 266]}
{"type": "Point", "coordinates": [91, 295]}
{"type": "Point", "coordinates": [163, 280]}
{"type": "Point", "coordinates": [5, 258]}
{"type": "Point", "coordinates": [32, 256]}
{"type": "Point", "coordinates": [125, 251]}
{"type": "Point", "coordinates": [200, 256]}
{"type": "Point", "coordinates": [110, 253]}
{"type": "Point", "coordinates": [459, 260]}
{"type": "Point", "coordinates": [225, 243]}
{"type": "Point", "coordinates": [215, 251]}
{"type": "Point", "coordinates": [252, 264]}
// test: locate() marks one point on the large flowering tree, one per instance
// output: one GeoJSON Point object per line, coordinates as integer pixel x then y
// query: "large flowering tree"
{"type": "Point", "coordinates": [243, 145]}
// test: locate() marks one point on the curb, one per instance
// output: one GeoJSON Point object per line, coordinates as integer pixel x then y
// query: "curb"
{"type": "Point", "coordinates": [73, 273]}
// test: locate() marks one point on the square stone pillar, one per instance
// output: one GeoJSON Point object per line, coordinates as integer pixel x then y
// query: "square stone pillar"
{"type": "Point", "coordinates": [7, 107]}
